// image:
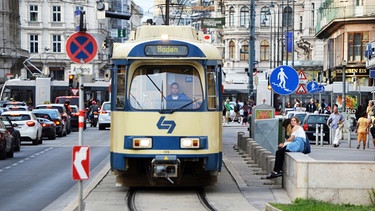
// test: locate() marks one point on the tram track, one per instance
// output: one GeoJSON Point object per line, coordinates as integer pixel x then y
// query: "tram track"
{"type": "Point", "coordinates": [161, 199]}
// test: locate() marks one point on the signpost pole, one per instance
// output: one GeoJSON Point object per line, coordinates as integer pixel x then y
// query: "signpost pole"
{"type": "Point", "coordinates": [80, 141]}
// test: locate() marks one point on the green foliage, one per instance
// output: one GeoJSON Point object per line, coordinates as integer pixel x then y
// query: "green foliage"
{"type": "Point", "coordinates": [316, 205]}
{"type": "Point", "coordinates": [371, 193]}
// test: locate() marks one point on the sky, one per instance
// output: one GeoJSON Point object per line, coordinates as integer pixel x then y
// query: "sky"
{"type": "Point", "coordinates": [147, 6]}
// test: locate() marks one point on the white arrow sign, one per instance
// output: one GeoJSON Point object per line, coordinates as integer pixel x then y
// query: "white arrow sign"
{"type": "Point", "coordinates": [81, 155]}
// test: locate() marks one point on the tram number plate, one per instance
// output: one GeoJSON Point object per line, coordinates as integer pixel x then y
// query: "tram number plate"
{"type": "Point", "coordinates": [314, 134]}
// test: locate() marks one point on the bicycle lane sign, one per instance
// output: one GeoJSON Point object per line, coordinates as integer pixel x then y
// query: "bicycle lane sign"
{"type": "Point", "coordinates": [81, 47]}
{"type": "Point", "coordinates": [284, 80]}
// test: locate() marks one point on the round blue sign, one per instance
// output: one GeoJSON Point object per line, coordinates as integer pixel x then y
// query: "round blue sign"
{"type": "Point", "coordinates": [284, 80]}
{"type": "Point", "coordinates": [312, 87]}
{"type": "Point", "coordinates": [321, 88]}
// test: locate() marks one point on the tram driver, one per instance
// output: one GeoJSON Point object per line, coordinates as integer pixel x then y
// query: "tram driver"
{"type": "Point", "coordinates": [176, 99]}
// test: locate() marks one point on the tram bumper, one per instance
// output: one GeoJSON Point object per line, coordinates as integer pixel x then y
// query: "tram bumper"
{"type": "Point", "coordinates": [165, 166]}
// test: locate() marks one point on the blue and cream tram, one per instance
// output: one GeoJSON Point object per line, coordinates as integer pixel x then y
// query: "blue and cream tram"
{"type": "Point", "coordinates": [160, 139]}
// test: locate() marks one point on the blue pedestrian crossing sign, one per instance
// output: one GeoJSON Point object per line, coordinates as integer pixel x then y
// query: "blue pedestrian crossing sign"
{"type": "Point", "coordinates": [312, 87]}
{"type": "Point", "coordinates": [321, 88]}
{"type": "Point", "coordinates": [284, 80]}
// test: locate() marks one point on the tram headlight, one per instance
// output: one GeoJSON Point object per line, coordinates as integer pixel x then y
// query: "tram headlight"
{"type": "Point", "coordinates": [189, 143]}
{"type": "Point", "coordinates": [164, 37]}
{"type": "Point", "coordinates": [142, 143]}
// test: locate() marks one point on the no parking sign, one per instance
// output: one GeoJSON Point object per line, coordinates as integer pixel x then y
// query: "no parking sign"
{"type": "Point", "coordinates": [81, 47]}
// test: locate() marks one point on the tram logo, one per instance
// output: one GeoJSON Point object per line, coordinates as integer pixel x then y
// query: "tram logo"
{"type": "Point", "coordinates": [166, 125]}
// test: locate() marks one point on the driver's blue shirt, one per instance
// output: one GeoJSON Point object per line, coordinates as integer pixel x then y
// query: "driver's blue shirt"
{"type": "Point", "coordinates": [179, 97]}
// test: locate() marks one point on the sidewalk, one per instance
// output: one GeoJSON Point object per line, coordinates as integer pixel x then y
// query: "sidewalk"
{"type": "Point", "coordinates": [103, 195]}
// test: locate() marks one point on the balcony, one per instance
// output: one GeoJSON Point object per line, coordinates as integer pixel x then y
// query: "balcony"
{"type": "Point", "coordinates": [333, 16]}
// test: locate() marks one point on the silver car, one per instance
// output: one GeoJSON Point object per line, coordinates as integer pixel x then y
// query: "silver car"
{"type": "Point", "coordinates": [105, 116]}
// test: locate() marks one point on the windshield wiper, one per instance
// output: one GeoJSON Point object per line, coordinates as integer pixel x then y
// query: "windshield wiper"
{"type": "Point", "coordinates": [136, 100]}
{"type": "Point", "coordinates": [156, 86]}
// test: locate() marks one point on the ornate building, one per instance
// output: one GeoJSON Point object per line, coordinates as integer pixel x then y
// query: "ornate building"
{"type": "Point", "coordinates": [11, 53]}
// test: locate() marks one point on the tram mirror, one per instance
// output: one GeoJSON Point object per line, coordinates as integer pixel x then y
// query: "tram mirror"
{"type": "Point", "coordinates": [107, 75]}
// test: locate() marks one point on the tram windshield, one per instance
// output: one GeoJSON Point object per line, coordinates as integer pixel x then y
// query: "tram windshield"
{"type": "Point", "coordinates": [166, 87]}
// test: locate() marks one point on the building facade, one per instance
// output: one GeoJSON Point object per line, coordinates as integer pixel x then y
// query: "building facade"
{"type": "Point", "coordinates": [284, 35]}
{"type": "Point", "coordinates": [11, 52]}
{"type": "Point", "coordinates": [346, 28]}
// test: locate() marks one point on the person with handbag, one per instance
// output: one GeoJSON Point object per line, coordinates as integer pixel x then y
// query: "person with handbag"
{"type": "Point", "coordinates": [294, 143]}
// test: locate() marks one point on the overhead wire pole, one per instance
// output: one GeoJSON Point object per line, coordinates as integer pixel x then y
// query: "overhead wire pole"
{"type": "Point", "coordinates": [251, 48]}
{"type": "Point", "coordinates": [167, 12]}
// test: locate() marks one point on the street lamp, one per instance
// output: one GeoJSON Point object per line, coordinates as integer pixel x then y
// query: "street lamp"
{"type": "Point", "coordinates": [343, 63]}
{"type": "Point", "coordinates": [277, 39]}
{"type": "Point", "coordinates": [251, 47]}
{"type": "Point", "coordinates": [272, 36]}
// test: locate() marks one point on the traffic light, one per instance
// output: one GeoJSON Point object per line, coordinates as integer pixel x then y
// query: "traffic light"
{"type": "Point", "coordinates": [71, 79]}
{"type": "Point", "coordinates": [105, 44]}
{"type": "Point", "coordinates": [269, 85]}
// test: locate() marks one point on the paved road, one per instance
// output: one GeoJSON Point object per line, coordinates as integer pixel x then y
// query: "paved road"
{"type": "Point", "coordinates": [247, 176]}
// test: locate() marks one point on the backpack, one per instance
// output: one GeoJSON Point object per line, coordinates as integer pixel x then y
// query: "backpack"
{"type": "Point", "coordinates": [307, 148]}
{"type": "Point", "coordinates": [237, 108]}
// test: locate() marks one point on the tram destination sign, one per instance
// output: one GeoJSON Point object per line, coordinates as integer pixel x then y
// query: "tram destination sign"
{"type": "Point", "coordinates": [166, 50]}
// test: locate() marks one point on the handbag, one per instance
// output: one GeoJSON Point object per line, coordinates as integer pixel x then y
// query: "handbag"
{"type": "Point", "coordinates": [307, 148]}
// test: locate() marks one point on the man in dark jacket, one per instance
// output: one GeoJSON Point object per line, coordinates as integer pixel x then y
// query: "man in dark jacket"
{"type": "Point", "coordinates": [311, 107]}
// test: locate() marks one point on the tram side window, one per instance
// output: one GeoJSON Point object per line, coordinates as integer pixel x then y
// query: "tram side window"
{"type": "Point", "coordinates": [212, 100]}
{"type": "Point", "coordinates": [120, 90]}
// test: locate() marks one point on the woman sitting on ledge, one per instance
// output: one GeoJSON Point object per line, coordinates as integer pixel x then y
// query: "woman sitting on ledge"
{"type": "Point", "coordinates": [295, 143]}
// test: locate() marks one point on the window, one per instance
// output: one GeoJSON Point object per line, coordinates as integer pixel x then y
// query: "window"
{"type": "Point", "coordinates": [33, 13]}
{"type": "Point", "coordinates": [244, 17]}
{"type": "Point", "coordinates": [79, 8]}
{"type": "Point", "coordinates": [57, 73]}
{"type": "Point", "coordinates": [357, 42]}
{"type": "Point", "coordinates": [231, 49]}
{"type": "Point", "coordinates": [287, 17]}
{"type": "Point", "coordinates": [212, 87]}
{"type": "Point", "coordinates": [264, 19]}
{"type": "Point", "coordinates": [56, 14]}
{"type": "Point", "coordinates": [56, 43]}
{"type": "Point", "coordinates": [156, 87]}
{"type": "Point", "coordinates": [244, 51]}
{"type": "Point", "coordinates": [33, 43]}
{"type": "Point", "coordinates": [231, 16]}
{"type": "Point", "coordinates": [264, 51]}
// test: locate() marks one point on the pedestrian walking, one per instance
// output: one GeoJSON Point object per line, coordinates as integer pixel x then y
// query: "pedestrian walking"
{"type": "Point", "coordinates": [334, 122]}
{"type": "Point", "coordinates": [361, 129]}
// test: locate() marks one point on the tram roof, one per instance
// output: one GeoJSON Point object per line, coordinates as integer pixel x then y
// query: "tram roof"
{"type": "Point", "coordinates": [153, 34]}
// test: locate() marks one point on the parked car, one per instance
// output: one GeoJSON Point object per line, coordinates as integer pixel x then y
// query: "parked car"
{"type": "Point", "coordinates": [6, 142]}
{"type": "Point", "coordinates": [14, 103]}
{"type": "Point", "coordinates": [105, 116]}
{"type": "Point", "coordinates": [55, 116]}
{"type": "Point", "coordinates": [75, 118]}
{"type": "Point", "coordinates": [309, 125]}
{"type": "Point", "coordinates": [48, 128]}
{"type": "Point", "coordinates": [11, 127]}
{"type": "Point", "coordinates": [16, 108]}
{"type": "Point", "coordinates": [62, 110]}
{"type": "Point", "coordinates": [28, 125]}
{"type": "Point", "coordinates": [299, 114]}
